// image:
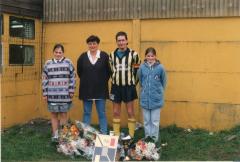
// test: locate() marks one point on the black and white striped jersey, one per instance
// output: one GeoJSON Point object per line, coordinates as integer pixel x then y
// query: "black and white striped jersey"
{"type": "Point", "coordinates": [124, 69]}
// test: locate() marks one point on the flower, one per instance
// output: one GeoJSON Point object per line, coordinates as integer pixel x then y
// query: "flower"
{"type": "Point", "coordinates": [74, 131]}
{"type": "Point", "coordinates": [155, 156]}
{"type": "Point", "coordinates": [146, 150]}
{"type": "Point", "coordinates": [77, 140]}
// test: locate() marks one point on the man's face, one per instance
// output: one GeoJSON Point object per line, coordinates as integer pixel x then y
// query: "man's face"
{"type": "Point", "coordinates": [92, 46]}
{"type": "Point", "coordinates": [122, 42]}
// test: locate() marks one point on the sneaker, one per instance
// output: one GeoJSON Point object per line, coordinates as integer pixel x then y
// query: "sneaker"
{"type": "Point", "coordinates": [56, 134]}
{"type": "Point", "coordinates": [154, 138]}
{"type": "Point", "coordinates": [54, 139]}
{"type": "Point", "coordinates": [157, 144]}
{"type": "Point", "coordinates": [138, 126]}
{"type": "Point", "coordinates": [122, 135]}
{"type": "Point", "coordinates": [148, 139]}
{"type": "Point", "coordinates": [128, 137]}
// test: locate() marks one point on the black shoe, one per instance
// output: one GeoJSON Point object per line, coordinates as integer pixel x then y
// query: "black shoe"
{"type": "Point", "coordinates": [148, 139]}
{"type": "Point", "coordinates": [158, 144]}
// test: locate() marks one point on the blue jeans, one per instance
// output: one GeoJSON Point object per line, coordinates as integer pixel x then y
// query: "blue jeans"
{"type": "Point", "coordinates": [100, 105]}
{"type": "Point", "coordinates": [151, 122]}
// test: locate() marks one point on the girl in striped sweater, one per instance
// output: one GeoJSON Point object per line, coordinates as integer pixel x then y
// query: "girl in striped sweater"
{"type": "Point", "coordinates": [58, 84]}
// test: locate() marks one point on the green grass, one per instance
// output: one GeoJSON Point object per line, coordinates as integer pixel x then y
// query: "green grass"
{"type": "Point", "coordinates": [31, 142]}
{"type": "Point", "coordinates": [200, 145]}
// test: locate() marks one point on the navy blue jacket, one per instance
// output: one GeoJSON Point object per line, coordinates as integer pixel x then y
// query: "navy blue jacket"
{"type": "Point", "coordinates": [93, 78]}
{"type": "Point", "coordinates": [152, 82]}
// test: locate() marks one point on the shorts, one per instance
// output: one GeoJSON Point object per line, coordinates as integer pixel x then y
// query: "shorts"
{"type": "Point", "coordinates": [59, 107]}
{"type": "Point", "coordinates": [123, 93]}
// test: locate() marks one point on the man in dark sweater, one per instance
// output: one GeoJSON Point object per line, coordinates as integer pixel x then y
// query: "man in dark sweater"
{"type": "Point", "coordinates": [94, 72]}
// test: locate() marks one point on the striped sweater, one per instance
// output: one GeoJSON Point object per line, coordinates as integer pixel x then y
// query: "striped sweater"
{"type": "Point", "coordinates": [58, 80]}
{"type": "Point", "coordinates": [124, 69]}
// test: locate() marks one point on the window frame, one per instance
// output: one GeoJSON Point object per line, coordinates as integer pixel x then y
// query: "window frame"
{"type": "Point", "coordinates": [23, 21]}
{"type": "Point", "coordinates": [22, 53]}
{"type": "Point", "coordinates": [1, 24]}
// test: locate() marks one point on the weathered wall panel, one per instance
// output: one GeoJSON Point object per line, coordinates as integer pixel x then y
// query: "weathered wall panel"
{"type": "Point", "coordinates": [20, 85]}
{"type": "Point", "coordinates": [200, 56]}
{"type": "Point", "coordinates": [75, 43]}
{"type": "Point", "coordinates": [91, 10]}
{"type": "Point", "coordinates": [194, 30]}
{"type": "Point", "coordinates": [190, 115]}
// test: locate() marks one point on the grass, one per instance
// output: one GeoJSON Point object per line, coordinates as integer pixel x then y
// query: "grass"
{"type": "Point", "coordinates": [31, 142]}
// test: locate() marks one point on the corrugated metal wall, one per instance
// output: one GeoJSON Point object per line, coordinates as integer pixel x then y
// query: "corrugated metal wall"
{"type": "Point", "coordinates": [89, 10]}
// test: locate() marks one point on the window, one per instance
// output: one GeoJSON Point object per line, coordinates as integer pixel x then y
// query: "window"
{"type": "Point", "coordinates": [1, 24]}
{"type": "Point", "coordinates": [23, 28]}
{"type": "Point", "coordinates": [21, 54]}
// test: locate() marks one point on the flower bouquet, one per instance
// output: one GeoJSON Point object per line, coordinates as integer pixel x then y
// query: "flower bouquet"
{"type": "Point", "coordinates": [145, 150]}
{"type": "Point", "coordinates": [88, 132]}
{"type": "Point", "coordinates": [68, 133]}
{"type": "Point", "coordinates": [77, 139]}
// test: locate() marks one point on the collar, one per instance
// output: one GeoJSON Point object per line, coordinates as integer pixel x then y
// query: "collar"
{"type": "Point", "coordinates": [157, 62]}
{"type": "Point", "coordinates": [126, 52]}
{"type": "Point", "coordinates": [97, 55]}
{"type": "Point", "coordinates": [60, 60]}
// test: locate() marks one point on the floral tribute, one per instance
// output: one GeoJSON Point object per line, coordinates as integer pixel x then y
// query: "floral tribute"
{"type": "Point", "coordinates": [141, 150]}
{"type": "Point", "coordinates": [77, 140]}
{"type": "Point", "coordinates": [145, 151]}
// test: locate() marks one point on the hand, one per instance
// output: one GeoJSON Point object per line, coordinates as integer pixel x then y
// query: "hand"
{"type": "Point", "coordinates": [45, 98]}
{"type": "Point", "coordinates": [71, 95]}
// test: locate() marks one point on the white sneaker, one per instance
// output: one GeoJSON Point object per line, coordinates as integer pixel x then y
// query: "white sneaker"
{"type": "Point", "coordinates": [54, 139]}
{"type": "Point", "coordinates": [56, 134]}
{"type": "Point", "coordinates": [127, 137]}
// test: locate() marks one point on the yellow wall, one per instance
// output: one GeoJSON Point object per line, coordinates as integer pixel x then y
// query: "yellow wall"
{"type": "Point", "coordinates": [202, 60]}
{"type": "Point", "coordinates": [20, 95]}
{"type": "Point", "coordinates": [73, 36]}
{"type": "Point", "coordinates": [201, 57]}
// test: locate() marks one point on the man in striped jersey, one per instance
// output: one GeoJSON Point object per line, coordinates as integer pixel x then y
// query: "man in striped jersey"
{"type": "Point", "coordinates": [124, 63]}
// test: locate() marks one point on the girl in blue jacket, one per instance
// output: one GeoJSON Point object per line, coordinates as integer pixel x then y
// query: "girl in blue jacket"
{"type": "Point", "coordinates": [152, 78]}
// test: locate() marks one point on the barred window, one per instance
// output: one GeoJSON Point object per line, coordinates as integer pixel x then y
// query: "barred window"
{"type": "Point", "coordinates": [21, 54]}
{"type": "Point", "coordinates": [20, 27]}
{"type": "Point", "coordinates": [1, 24]}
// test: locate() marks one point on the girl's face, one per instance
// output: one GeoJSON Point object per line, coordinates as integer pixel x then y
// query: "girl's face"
{"type": "Point", "coordinates": [150, 57]}
{"type": "Point", "coordinates": [122, 42]}
{"type": "Point", "coordinates": [92, 46]}
{"type": "Point", "coordinates": [58, 53]}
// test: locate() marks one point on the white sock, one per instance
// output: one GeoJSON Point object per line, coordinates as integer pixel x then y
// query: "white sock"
{"type": "Point", "coordinates": [56, 134]}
